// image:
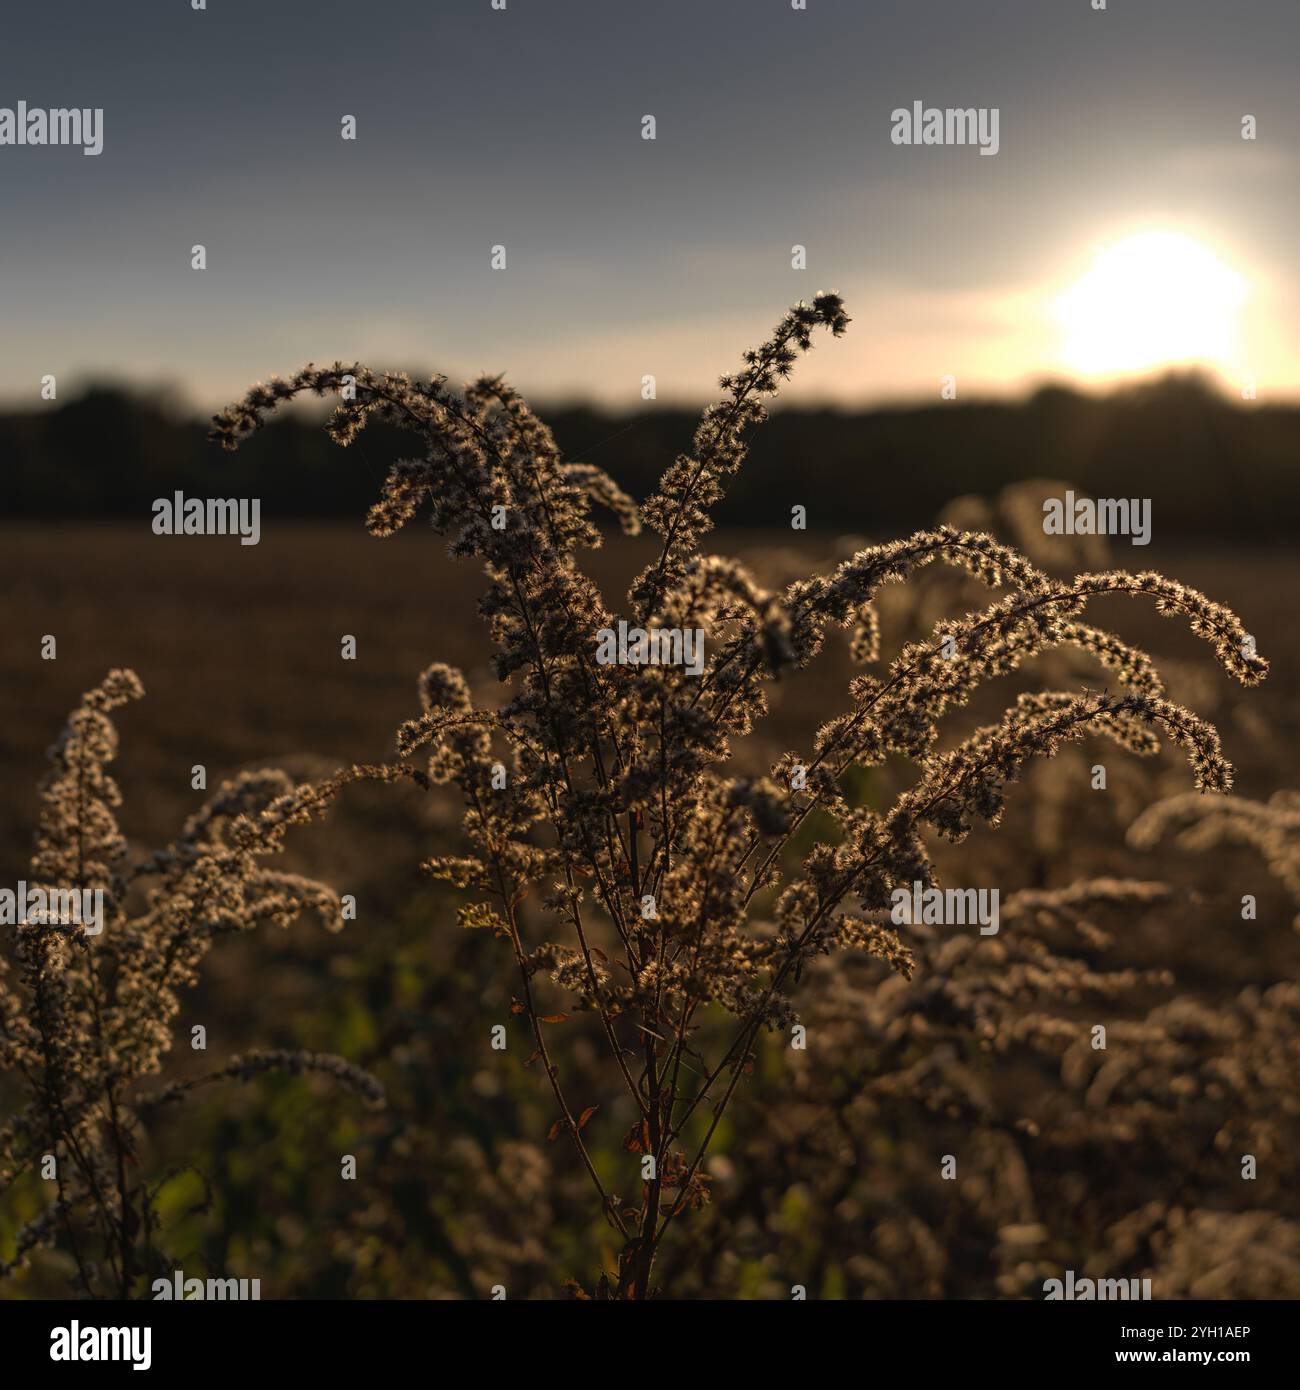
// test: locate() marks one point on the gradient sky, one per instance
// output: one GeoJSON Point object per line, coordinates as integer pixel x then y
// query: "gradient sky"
{"type": "Point", "coordinates": [628, 257]}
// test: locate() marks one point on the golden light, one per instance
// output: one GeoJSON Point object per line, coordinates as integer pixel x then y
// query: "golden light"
{"type": "Point", "coordinates": [1154, 298]}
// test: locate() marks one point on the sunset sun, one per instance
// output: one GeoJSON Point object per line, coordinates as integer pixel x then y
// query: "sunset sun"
{"type": "Point", "coordinates": [1153, 298]}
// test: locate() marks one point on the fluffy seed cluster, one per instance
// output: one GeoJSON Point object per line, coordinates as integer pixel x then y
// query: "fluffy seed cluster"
{"type": "Point", "coordinates": [997, 1040]}
{"type": "Point", "coordinates": [85, 1018]}
{"type": "Point", "coordinates": [1271, 828]}
{"type": "Point", "coordinates": [609, 849]}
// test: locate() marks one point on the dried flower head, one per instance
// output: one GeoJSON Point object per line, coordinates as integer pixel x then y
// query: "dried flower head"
{"type": "Point", "coordinates": [88, 1015]}
{"type": "Point", "coordinates": [616, 859]}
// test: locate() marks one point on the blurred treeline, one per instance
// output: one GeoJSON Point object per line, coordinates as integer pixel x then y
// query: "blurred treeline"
{"type": "Point", "coordinates": [1212, 465]}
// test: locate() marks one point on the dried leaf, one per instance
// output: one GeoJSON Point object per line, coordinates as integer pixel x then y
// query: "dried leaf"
{"type": "Point", "coordinates": [637, 1139]}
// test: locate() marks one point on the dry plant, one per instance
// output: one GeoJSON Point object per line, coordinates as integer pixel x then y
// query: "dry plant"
{"type": "Point", "coordinates": [1271, 828]}
{"type": "Point", "coordinates": [609, 850]}
{"type": "Point", "coordinates": [989, 1053]}
{"type": "Point", "coordinates": [86, 1016]}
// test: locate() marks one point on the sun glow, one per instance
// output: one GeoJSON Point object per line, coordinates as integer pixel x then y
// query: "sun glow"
{"type": "Point", "coordinates": [1154, 298]}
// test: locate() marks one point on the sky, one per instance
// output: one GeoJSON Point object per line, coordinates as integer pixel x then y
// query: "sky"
{"type": "Point", "coordinates": [1122, 225]}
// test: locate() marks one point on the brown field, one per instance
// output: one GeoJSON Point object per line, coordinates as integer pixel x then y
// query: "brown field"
{"type": "Point", "coordinates": [238, 647]}
{"type": "Point", "coordinates": [238, 650]}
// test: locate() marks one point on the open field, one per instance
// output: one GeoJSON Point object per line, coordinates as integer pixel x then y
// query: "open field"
{"type": "Point", "coordinates": [238, 650]}
{"type": "Point", "coordinates": [238, 647]}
